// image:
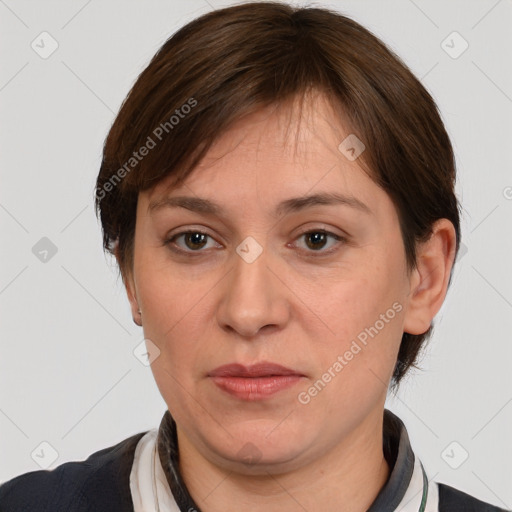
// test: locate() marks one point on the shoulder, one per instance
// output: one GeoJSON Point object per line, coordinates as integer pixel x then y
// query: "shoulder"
{"type": "Point", "coordinates": [99, 483]}
{"type": "Point", "coordinates": [451, 499]}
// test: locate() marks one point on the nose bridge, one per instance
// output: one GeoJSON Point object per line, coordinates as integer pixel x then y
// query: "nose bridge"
{"type": "Point", "coordinates": [251, 299]}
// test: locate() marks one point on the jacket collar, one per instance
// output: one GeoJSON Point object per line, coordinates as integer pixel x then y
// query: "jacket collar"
{"type": "Point", "coordinates": [406, 488]}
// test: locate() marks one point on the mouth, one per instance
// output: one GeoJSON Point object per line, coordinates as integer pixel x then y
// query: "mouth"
{"type": "Point", "coordinates": [255, 382]}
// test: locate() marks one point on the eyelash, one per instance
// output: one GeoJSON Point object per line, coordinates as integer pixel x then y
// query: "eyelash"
{"type": "Point", "coordinates": [170, 242]}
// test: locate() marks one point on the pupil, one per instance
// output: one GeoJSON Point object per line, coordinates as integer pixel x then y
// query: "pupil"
{"type": "Point", "coordinates": [196, 239]}
{"type": "Point", "coordinates": [317, 237]}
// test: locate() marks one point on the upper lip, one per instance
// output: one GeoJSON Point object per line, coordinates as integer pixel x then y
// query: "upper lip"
{"type": "Point", "coordinates": [262, 369]}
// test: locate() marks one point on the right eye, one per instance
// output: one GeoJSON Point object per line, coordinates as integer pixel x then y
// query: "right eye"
{"type": "Point", "coordinates": [191, 241]}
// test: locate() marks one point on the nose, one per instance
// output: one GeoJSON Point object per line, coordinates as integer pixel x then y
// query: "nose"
{"type": "Point", "coordinates": [253, 298]}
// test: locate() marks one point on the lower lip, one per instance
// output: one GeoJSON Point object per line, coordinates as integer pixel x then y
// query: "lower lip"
{"type": "Point", "coordinates": [256, 388]}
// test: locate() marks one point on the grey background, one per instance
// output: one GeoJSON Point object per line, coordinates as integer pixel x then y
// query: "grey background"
{"type": "Point", "coordinates": [68, 376]}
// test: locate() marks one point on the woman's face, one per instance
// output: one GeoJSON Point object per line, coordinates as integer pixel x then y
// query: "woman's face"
{"type": "Point", "coordinates": [267, 276]}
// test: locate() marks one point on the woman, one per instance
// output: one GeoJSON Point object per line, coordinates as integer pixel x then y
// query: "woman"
{"type": "Point", "coordinates": [278, 190]}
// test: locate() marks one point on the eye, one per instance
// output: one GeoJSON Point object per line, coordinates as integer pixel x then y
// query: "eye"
{"type": "Point", "coordinates": [193, 241]}
{"type": "Point", "coordinates": [316, 240]}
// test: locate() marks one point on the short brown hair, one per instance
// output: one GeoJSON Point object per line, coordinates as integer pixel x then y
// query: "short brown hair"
{"type": "Point", "coordinates": [234, 61]}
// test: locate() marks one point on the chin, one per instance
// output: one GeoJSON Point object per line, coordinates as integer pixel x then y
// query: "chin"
{"type": "Point", "coordinates": [259, 447]}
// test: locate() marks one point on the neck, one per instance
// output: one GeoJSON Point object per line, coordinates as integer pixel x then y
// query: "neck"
{"type": "Point", "coordinates": [346, 478]}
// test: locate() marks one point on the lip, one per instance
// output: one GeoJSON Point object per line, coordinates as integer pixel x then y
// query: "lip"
{"type": "Point", "coordinates": [254, 382]}
{"type": "Point", "coordinates": [262, 369]}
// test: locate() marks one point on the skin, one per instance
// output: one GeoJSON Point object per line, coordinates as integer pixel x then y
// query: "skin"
{"type": "Point", "coordinates": [299, 304]}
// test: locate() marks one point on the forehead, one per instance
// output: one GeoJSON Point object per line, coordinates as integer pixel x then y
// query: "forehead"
{"type": "Point", "coordinates": [277, 152]}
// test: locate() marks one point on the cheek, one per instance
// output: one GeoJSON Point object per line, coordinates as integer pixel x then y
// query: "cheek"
{"type": "Point", "coordinates": [355, 364]}
{"type": "Point", "coordinates": [173, 318]}
{"type": "Point", "coordinates": [357, 303]}
{"type": "Point", "coordinates": [175, 324]}
{"type": "Point", "coordinates": [364, 314]}
{"type": "Point", "coordinates": [168, 294]}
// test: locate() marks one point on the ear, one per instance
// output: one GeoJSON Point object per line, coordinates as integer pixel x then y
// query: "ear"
{"type": "Point", "coordinates": [131, 291]}
{"type": "Point", "coordinates": [429, 280]}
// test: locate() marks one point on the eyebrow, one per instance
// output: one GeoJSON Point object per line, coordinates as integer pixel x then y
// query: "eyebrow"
{"type": "Point", "coordinates": [294, 204]}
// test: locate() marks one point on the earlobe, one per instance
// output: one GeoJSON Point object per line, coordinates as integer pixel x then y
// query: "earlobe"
{"type": "Point", "coordinates": [429, 280]}
{"type": "Point", "coordinates": [131, 293]}
{"type": "Point", "coordinates": [132, 298]}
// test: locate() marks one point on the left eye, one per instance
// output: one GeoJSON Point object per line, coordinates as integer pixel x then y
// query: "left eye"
{"type": "Point", "coordinates": [317, 239]}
